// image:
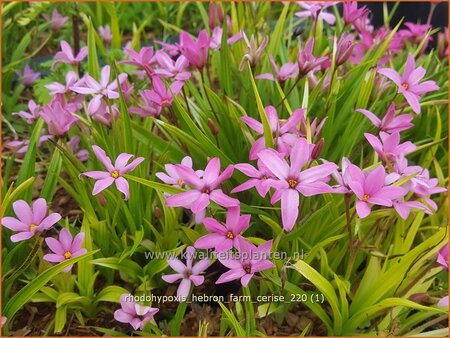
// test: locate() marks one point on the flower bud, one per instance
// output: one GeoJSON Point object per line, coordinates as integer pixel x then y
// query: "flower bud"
{"type": "Point", "coordinates": [317, 150]}
{"type": "Point", "coordinates": [344, 49]}
{"type": "Point", "coordinates": [157, 212]}
{"type": "Point", "coordinates": [212, 126]}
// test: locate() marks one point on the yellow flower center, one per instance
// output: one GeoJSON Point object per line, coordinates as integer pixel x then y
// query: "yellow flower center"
{"type": "Point", "coordinates": [248, 268]}
{"type": "Point", "coordinates": [67, 255]}
{"type": "Point", "coordinates": [264, 177]}
{"type": "Point", "coordinates": [206, 191]}
{"type": "Point", "coordinates": [180, 182]}
{"type": "Point", "coordinates": [165, 102]}
{"type": "Point", "coordinates": [115, 174]}
{"type": "Point", "coordinates": [187, 273]}
{"type": "Point", "coordinates": [366, 197]}
{"type": "Point", "coordinates": [292, 183]}
{"type": "Point", "coordinates": [230, 235]}
{"type": "Point", "coordinates": [405, 86]}
{"type": "Point", "coordinates": [32, 226]}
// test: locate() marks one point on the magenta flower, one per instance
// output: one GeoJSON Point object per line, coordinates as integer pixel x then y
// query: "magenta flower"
{"type": "Point", "coordinates": [389, 148]}
{"type": "Point", "coordinates": [33, 114]}
{"type": "Point", "coordinates": [171, 68]}
{"type": "Point", "coordinates": [101, 90]}
{"type": "Point", "coordinates": [287, 71]}
{"type": "Point", "coordinates": [352, 13]}
{"type": "Point", "coordinates": [215, 15]}
{"type": "Point", "coordinates": [57, 20]}
{"type": "Point", "coordinates": [306, 61]}
{"type": "Point", "coordinates": [30, 220]}
{"type": "Point", "coordinates": [148, 107]}
{"type": "Point", "coordinates": [408, 83]}
{"type": "Point", "coordinates": [403, 208]}
{"type": "Point", "coordinates": [160, 95]}
{"type": "Point", "coordinates": [205, 189]}
{"type": "Point", "coordinates": [28, 76]}
{"type": "Point", "coordinates": [258, 178]}
{"type": "Point", "coordinates": [58, 88]}
{"type": "Point", "coordinates": [195, 51]}
{"type": "Point", "coordinates": [223, 237]}
{"type": "Point", "coordinates": [390, 123]}
{"type": "Point", "coordinates": [144, 59]}
{"type": "Point", "coordinates": [188, 273]}
{"type": "Point", "coordinates": [291, 180]}
{"type": "Point", "coordinates": [105, 33]}
{"type": "Point", "coordinates": [172, 176]}
{"type": "Point", "coordinates": [443, 256]}
{"type": "Point", "coordinates": [134, 314]}
{"type": "Point", "coordinates": [66, 247]}
{"type": "Point", "coordinates": [66, 55]}
{"type": "Point", "coordinates": [248, 261]}
{"type": "Point", "coordinates": [370, 188]}
{"type": "Point", "coordinates": [172, 49]}
{"type": "Point", "coordinates": [113, 173]}
{"type": "Point", "coordinates": [279, 129]}
{"type": "Point", "coordinates": [59, 118]}
{"type": "Point", "coordinates": [315, 10]}
{"type": "Point", "coordinates": [341, 178]}
{"type": "Point", "coordinates": [415, 33]}
{"type": "Point", "coordinates": [344, 49]}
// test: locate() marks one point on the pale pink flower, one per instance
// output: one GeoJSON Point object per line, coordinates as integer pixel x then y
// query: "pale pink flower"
{"type": "Point", "coordinates": [389, 123]}
{"type": "Point", "coordinates": [32, 115]}
{"type": "Point", "coordinates": [66, 55]}
{"type": "Point", "coordinates": [56, 20]}
{"type": "Point", "coordinates": [134, 314]}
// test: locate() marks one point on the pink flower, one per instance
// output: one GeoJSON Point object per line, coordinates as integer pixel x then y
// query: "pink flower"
{"type": "Point", "coordinates": [59, 118]}
{"type": "Point", "coordinates": [28, 76]}
{"type": "Point", "coordinates": [415, 33]}
{"type": "Point", "coordinates": [171, 68]}
{"type": "Point", "coordinates": [148, 106]}
{"type": "Point", "coordinates": [279, 129]}
{"type": "Point", "coordinates": [105, 33]}
{"type": "Point", "coordinates": [370, 188]}
{"type": "Point", "coordinates": [248, 261]}
{"type": "Point", "coordinates": [292, 181]}
{"type": "Point", "coordinates": [173, 178]}
{"type": "Point", "coordinates": [21, 147]}
{"type": "Point", "coordinates": [344, 49]}
{"type": "Point", "coordinates": [160, 95]}
{"type": "Point", "coordinates": [287, 71]}
{"type": "Point", "coordinates": [389, 148]}
{"type": "Point", "coordinates": [443, 302]}
{"type": "Point", "coordinates": [172, 49]}
{"type": "Point", "coordinates": [306, 61]}
{"type": "Point", "coordinates": [100, 90]}
{"type": "Point", "coordinates": [215, 15]}
{"type": "Point", "coordinates": [66, 55]}
{"type": "Point", "coordinates": [352, 13]}
{"type": "Point", "coordinates": [408, 84]}
{"type": "Point", "coordinates": [188, 273]}
{"type": "Point", "coordinates": [223, 237]}
{"type": "Point", "coordinates": [65, 247]}
{"type": "Point", "coordinates": [31, 116]}
{"type": "Point", "coordinates": [30, 219]}
{"type": "Point", "coordinates": [257, 179]}
{"type": "Point", "coordinates": [205, 189]}
{"type": "Point", "coordinates": [113, 173]}
{"type": "Point", "coordinates": [58, 88]}
{"type": "Point", "coordinates": [134, 314]}
{"type": "Point", "coordinates": [57, 20]}
{"type": "Point", "coordinates": [390, 123]}
{"type": "Point", "coordinates": [443, 256]}
{"type": "Point", "coordinates": [144, 59]}
{"type": "Point", "coordinates": [403, 208]}
{"type": "Point", "coordinates": [195, 51]}
{"type": "Point", "coordinates": [340, 177]}
{"type": "Point", "coordinates": [315, 10]}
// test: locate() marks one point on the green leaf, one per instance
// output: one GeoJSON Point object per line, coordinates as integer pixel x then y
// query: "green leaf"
{"type": "Point", "coordinates": [93, 66]}
{"type": "Point", "coordinates": [51, 179]}
{"type": "Point", "coordinates": [25, 294]}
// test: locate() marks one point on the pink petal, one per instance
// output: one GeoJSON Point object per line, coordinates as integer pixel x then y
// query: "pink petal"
{"type": "Point", "coordinates": [318, 172]}
{"type": "Point", "coordinates": [209, 241]}
{"type": "Point", "coordinates": [200, 204]}
{"type": "Point", "coordinates": [197, 280]}
{"type": "Point", "coordinates": [101, 156]}
{"type": "Point", "coordinates": [211, 171]}
{"type": "Point", "coordinates": [201, 266]}
{"type": "Point", "coordinates": [98, 175]}
{"type": "Point", "coordinates": [212, 225]}
{"type": "Point", "coordinates": [176, 265]}
{"type": "Point", "coordinates": [371, 116]}
{"type": "Point", "coordinates": [248, 170]}
{"type": "Point", "coordinates": [55, 246]}
{"type": "Point", "coordinates": [391, 74]}
{"type": "Point", "coordinates": [184, 199]}
{"type": "Point", "coordinates": [223, 200]}
{"type": "Point", "coordinates": [122, 160]}
{"type": "Point", "coordinates": [246, 279]}
{"type": "Point", "coordinates": [245, 186]}
{"type": "Point", "coordinates": [122, 316]}
{"type": "Point", "coordinates": [21, 236]}
{"type": "Point", "coordinates": [14, 224]}
{"type": "Point", "coordinates": [123, 186]}
{"type": "Point", "coordinates": [274, 163]}
{"type": "Point", "coordinates": [77, 242]}
{"type": "Point", "coordinates": [183, 289]}
{"type": "Point", "coordinates": [49, 221]}
{"type": "Point", "coordinates": [231, 275]}
{"type": "Point", "coordinates": [54, 258]}
{"type": "Point", "coordinates": [102, 184]}
{"type": "Point", "coordinates": [300, 155]}
{"type": "Point", "coordinates": [23, 211]}
{"type": "Point", "coordinates": [413, 101]}
{"type": "Point", "coordinates": [289, 208]}
{"type": "Point", "coordinates": [132, 165]}
{"type": "Point", "coordinates": [172, 278]}
{"type": "Point", "coordinates": [252, 123]}
{"type": "Point", "coordinates": [262, 265]}
{"type": "Point", "coordinates": [362, 209]}
{"type": "Point", "coordinates": [189, 176]}
{"type": "Point", "coordinates": [224, 245]}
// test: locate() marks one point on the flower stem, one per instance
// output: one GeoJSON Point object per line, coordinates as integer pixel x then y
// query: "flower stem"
{"type": "Point", "coordinates": [207, 96]}
{"type": "Point", "coordinates": [299, 77]}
